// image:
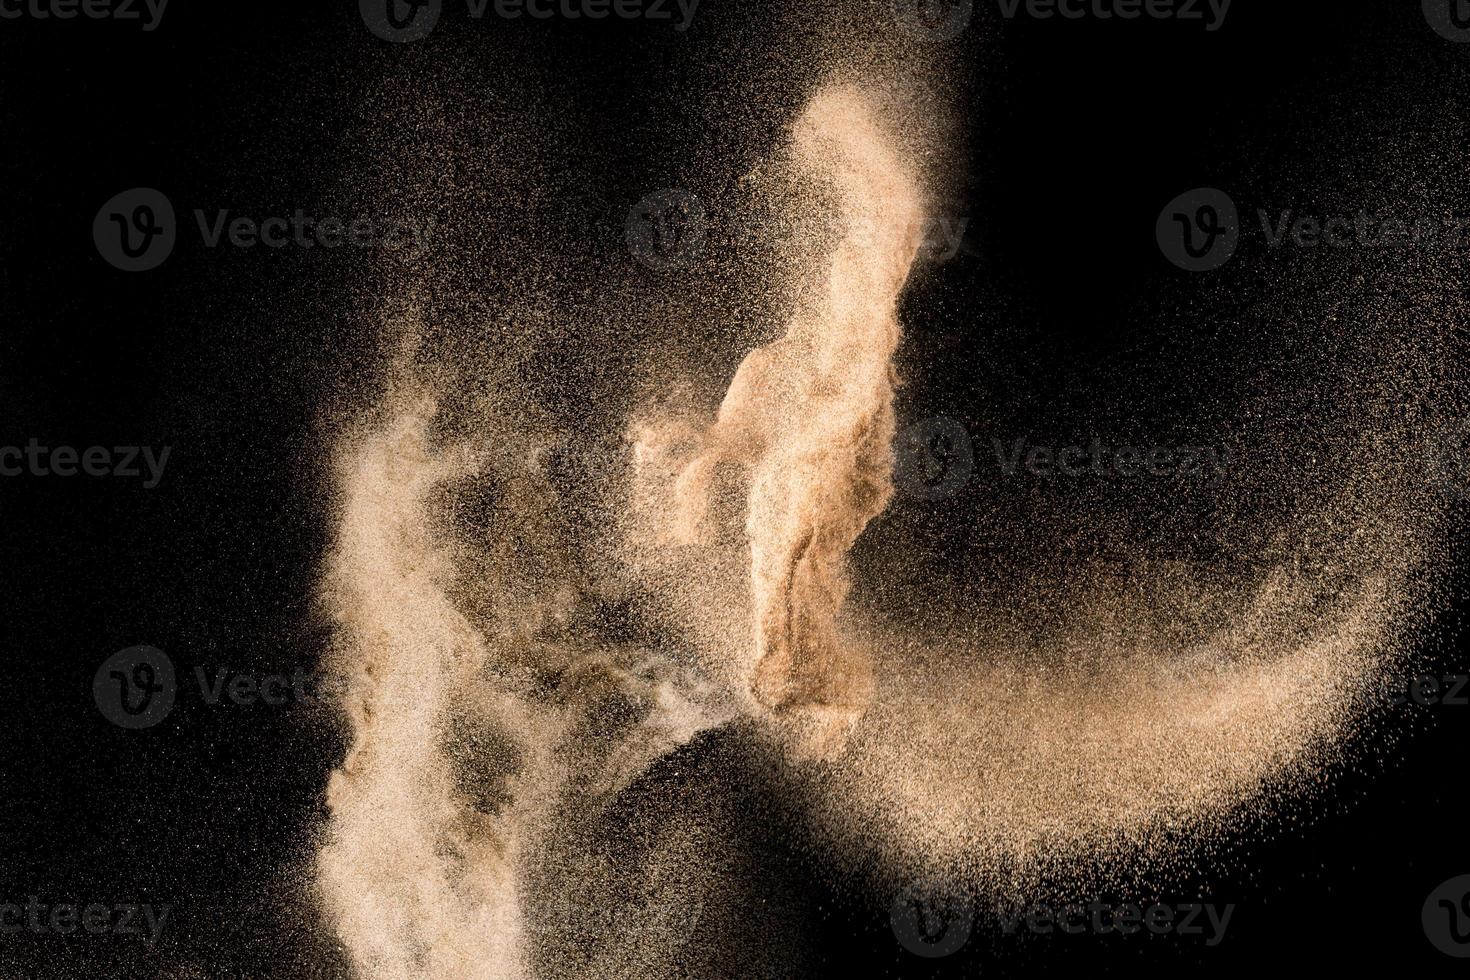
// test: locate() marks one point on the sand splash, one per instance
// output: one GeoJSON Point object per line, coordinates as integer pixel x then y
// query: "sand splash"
{"type": "Point", "coordinates": [807, 428]}
{"type": "Point", "coordinates": [502, 702]}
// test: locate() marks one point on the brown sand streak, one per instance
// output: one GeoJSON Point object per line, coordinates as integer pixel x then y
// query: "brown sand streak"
{"type": "Point", "coordinates": [394, 873]}
{"type": "Point", "coordinates": [809, 420]}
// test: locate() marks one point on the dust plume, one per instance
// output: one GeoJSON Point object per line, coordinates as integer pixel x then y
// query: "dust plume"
{"type": "Point", "coordinates": [807, 426]}
{"type": "Point", "coordinates": [481, 741]}
{"type": "Point", "coordinates": [395, 874]}
{"type": "Point", "coordinates": [490, 732]}
{"type": "Point", "coordinates": [520, 666]}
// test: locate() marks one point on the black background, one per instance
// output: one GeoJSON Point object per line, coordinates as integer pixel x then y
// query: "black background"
{"type": "Point", "coordinates": [1079, 133]}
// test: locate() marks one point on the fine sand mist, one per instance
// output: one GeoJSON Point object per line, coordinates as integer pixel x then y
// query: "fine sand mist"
{"type": "Point", "coordinates": [519, 670]}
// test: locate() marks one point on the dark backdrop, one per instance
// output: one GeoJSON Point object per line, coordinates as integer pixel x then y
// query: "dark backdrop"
{"type": "Point", "coordinates": [1079, 133]}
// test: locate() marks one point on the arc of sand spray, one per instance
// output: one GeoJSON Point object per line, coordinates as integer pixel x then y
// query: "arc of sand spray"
{"type": "Point", "coordinates": [810, 418]}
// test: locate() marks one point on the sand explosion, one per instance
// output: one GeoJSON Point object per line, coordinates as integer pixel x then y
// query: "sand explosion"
{"type": "Point", "coordinates": [808, 423]}
{"type": "Point", "coordinates": [502, 702]}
